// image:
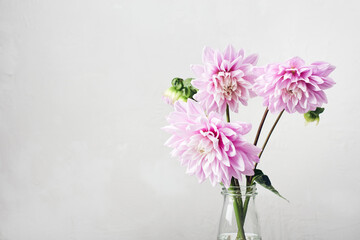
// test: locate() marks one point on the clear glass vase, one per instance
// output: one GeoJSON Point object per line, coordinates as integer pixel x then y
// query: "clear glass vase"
{"type": "Point", "coordinates": [239, 218]}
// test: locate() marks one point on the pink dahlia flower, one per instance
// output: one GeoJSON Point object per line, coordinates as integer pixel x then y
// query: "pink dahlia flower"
{"type": "Point", "coordinates": [224, 78]}
{"type": "Point", "coordinates": [208, 146]}
{"type": "Point", "coordinates": [294, 86]}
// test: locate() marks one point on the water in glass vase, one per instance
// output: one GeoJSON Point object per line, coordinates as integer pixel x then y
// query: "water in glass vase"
{"type": "Point", "coordinates": [232, 236]}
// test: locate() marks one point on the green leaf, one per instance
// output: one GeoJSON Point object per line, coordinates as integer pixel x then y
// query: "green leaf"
{"type": "Point", "coordinates": [263, 180]}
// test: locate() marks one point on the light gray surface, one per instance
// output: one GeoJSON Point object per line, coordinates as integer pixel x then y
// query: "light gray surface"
{"type": "Point", "coordinates": [81, 150]}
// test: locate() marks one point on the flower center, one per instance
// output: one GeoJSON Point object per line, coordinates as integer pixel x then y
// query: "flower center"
{"type": "Point", "coordinates": [206, 144]}
{"type": "Point", "coordinates": [293, 71]}
{"type": "Point", "coordinates": [201, 150]}
{"type": "Point", "coordinates": [293, 92]}
{"type": "Point", "coordinates": [204, 147]}
{"type": "Point", "coordinates": [226, 84]}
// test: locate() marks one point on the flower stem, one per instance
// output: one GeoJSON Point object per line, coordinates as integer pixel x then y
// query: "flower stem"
{"type": "Point", "coordinates": [250, 179]}
{"type": "Point", "coordinates": [227, 113]}
{"type": "Point", "coordinates": [238, 204]}
{"type": "Point", "coordinates": [246, 203]}
{"type": "Point", "coordinates": [234, 180]}
{"type": "Point", "coordinates": [261, 126]}
{"type": "Point", "coordinates": [248, 182]}
{"type": "Point", "coordinates": [268, 137]}
{"type": "Point", "coordinates": [238, 209]}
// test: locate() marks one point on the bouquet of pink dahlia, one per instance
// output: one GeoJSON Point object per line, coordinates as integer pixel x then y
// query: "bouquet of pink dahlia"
{"type": "Point", "coordinates": [204, 139]}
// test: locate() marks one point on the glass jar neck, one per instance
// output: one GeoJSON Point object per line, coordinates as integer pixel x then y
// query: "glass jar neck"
{"type": "Point", "coordinates": [249, 191]}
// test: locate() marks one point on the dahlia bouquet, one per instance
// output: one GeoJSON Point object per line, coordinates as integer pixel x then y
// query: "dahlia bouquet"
{"type": "Point", "coordinates": [212, 147]}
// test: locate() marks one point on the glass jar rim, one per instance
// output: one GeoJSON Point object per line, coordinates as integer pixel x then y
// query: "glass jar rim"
{"type": "Point", "coordinates": [241, 190]}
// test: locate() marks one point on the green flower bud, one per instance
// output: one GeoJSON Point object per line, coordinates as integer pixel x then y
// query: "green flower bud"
{"type": "Point", "coordinates": [187, 92]}
{"type": "Point", "coordinates": [178, 83]}
{"type": "Point", "coordinates": [187, 82]}
{"type": "Point", "coordinates": [190, 90]}
{"type": "Point", "coordinates": [180, 90]}
{"type": "Point", "coordinates": [312, 116]}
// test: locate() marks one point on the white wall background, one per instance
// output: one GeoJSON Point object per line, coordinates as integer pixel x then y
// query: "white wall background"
{"type": "Point", "coordinates": [81, 150]}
